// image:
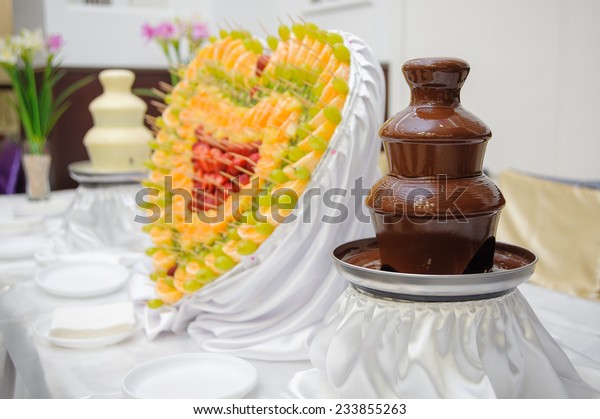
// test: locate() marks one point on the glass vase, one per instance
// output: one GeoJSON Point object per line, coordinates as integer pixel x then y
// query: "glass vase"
{"type": "Point", "coordinates": [37, 173]}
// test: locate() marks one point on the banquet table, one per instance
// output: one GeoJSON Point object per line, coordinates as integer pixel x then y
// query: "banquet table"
{"type": "Point", "coordinates": [32, 367]}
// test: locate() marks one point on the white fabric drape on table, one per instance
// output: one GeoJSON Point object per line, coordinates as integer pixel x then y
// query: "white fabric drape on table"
{"type": "Point", "coordinates": [101, 217]}
{"type": "Point", "coordinates": [496, 348]}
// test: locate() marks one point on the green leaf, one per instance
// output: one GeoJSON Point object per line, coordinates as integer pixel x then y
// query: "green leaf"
{"type": "Point", "coordinates": [33, 98]}
{"type": "Point", "coordinates": [22, 103]}
{"type": "Point", "coordinates": [56, 114]}
{"type": "Point", "coordinates": [145, 92]}
{"type": "Point", "coordinates": [64, 95]}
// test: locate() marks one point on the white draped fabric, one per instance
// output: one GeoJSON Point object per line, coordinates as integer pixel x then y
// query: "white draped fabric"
{"type": "Point", "coordinates": [372, 347]}
{"type": "Point", "coordinates": [101, 217]}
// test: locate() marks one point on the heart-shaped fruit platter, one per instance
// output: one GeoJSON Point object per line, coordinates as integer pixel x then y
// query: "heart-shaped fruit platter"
{"type": "Point", "coordinates": [242, 132]}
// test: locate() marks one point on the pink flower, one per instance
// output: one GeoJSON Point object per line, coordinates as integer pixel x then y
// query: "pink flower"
{"type": "Point", "coordinates": [148, 32]}
{"type": "Point", "coordinates": [199, 31]}
{"type": "Point", "coordinates": [54, 43]}
{"type": "Point", "coordinates": [164, 30]}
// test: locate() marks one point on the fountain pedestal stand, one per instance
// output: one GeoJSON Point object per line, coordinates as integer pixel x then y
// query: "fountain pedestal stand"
{"type": "Point", "coordinates": [103, 213]}
{"type": "Point", "coordinates": [393, 335]}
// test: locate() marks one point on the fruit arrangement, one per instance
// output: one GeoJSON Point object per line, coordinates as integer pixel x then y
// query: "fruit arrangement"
{"type": "Point", "coordinates": [243, 132]}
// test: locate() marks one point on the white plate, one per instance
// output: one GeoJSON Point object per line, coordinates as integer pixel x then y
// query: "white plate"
{"type": "Point", "coordinates": [191, 376]}
{"type": "Point", "coordinates": [42, 329]}
{"type": "Point", "coordinates": [21, 247]}
{"type": "Point", "coordinates": [50, 208]}
{"type": "Point", "coordinates": [82, 278]}
{"type": "Point", "coordinates": [10, 225]}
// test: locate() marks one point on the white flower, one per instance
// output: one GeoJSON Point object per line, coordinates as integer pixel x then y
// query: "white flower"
{"type": "Point", "coordinates": [7, 53]}
{"type": "Point", "coordinates": [30, 41]}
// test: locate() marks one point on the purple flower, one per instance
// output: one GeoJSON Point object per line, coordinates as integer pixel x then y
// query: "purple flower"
{"type": "Point", "coordinates": [164, 30]}
{"type": "Point", "coordinates": [54, 43]}
{"type": "Point", "coordinates": [199, 31]}
{"type": "Point", "coordinates": [148, 32]}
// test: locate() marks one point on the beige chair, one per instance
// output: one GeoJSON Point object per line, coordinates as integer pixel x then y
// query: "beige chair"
{"type": "Point", "coordinates": [560, 223]}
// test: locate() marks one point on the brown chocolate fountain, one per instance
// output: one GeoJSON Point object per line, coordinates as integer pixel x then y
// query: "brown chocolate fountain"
{"type": "Point", "coordinates": [435, 212]}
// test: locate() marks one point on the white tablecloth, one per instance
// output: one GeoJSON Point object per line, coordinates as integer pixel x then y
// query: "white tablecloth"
{"type": "Point", "coordinates": [43, 370]}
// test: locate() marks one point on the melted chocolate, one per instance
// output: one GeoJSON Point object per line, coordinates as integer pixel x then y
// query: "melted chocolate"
{"type": "Point", "coordinates": [504, 257]}
{"type": "Point", "coordinates": [435, 212]}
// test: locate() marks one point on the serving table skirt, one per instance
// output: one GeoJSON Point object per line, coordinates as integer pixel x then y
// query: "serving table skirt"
{"type": "Point", "coordinates": [31, 367]}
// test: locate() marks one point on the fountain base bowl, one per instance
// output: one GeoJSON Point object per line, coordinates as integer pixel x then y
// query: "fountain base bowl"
{"type": "Point", "coordinates": [359, 263]}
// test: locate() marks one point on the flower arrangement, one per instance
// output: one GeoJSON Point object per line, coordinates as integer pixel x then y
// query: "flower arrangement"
{"type": "Point", "coordinates": [35, 104]}
{"type": "Point", "coordinates": [178, 40]}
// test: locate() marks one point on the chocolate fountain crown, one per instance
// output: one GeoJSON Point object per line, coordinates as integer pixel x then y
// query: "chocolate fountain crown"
{"type": "Point", "coordinates": [435, 212]}
{"type": "Point", "coordinates": [435, 134]}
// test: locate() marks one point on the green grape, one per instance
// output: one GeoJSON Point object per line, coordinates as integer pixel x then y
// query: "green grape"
{"type": "Point", "coordinates": [264, 229]}
{"type": "Point", "coordinates": [224, 263]}
{"type": "Point", "coordinates": [151, 250]}
{"type": "Point", "coordinates": [321, 36]}
{"type": "Point", "coordinates": [168, 99]}
{"type": "Point", "coordinates": [313, 111]}
{"type": "Point", "coordinates": [257, 47]}
{"type": "Point", "coordinates": [150, 165]}
{"type": "Point", "coordinates": [264, 201]}
{"type": "Point", "coordinates": [317, 143]}
{"type": "Point", "coordinates": [295, 153]}
{"type": "Point", "coordinates": [284, 32]}
{"type": "Point", "coordinates": [169, 281]}
{"type": "Point", "coordinates": [279, 176]}
{"type": "Point", "coordinates": [286, 73]}
{"type": "Point", "coordinates": [212, 39]}
{"type": "Point", "coordinates": [303, 130]}
{"type": "Point", "coordinates": [296, 75]}
{"type": "Point", "coordinates": [332, 114]}
{"type": "Point", "coordinates": [311, 29]}
{"type": "Point", "coordinates": [334, 38]}
{"type": "Point", "coordinates": [341, 52]}
{"type": "Point", "coordinates": [340, 85]}
{"type": "Point", "coordinates": [155, 303]}
{"type": "Point", "coordinates": [311, 76]}
{"type": "Point", "coordinates": [223, 33]}
{"type": "Point", "coordinates": [299, 30]}
{"type": "Point", "coordinates": [232, 234]}
{"type": "Point", "coordinates": [272, 42]}
{"type": "Point", "coordinates": [192, 285]}
{"type": "Point", "coordinates": [249, 218]}
{"type": "Point", "coordinates": [235, 34]}
{"type": "Point", "coordinates": [205, 274]}
{"type": "Point", "coordinates": [159, 122]}
{"type": "Point", "coordinates": [302, 173]}
{"type": "Point", "coordinates": [246, 247]}
{"type": "Point", "coordinates": [318, 89]}
{"type": "Point", "coordinates": [217, 250]}
{"type": "Point", "coordinates": [248, 44]}
{"type": "Point", "coordinates": [155, 275]}
{"type": "Point", "coordinates": [284, 198]}
{"type": "Point", "coordinates": [239, 80]}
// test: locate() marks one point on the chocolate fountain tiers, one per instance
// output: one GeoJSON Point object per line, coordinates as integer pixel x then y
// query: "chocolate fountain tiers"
{"type": "Point", "coordinates": [435, 212]}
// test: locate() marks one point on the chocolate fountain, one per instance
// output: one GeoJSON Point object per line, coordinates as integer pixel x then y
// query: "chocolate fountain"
{"type": "Point", "coordinates": [435, 214]}
{"type": "Point", "coordinates": [433, 308]}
